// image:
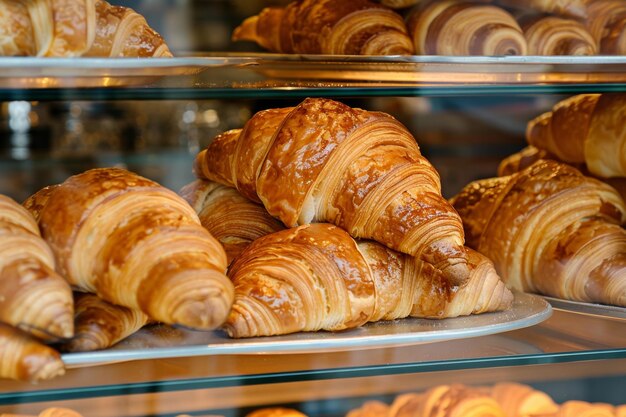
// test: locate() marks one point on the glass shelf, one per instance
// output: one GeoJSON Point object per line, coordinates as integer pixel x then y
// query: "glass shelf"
{"type": "Point", "coordinates": [564, 338]}
{"type": "Point", "coordinates": [282, 76]}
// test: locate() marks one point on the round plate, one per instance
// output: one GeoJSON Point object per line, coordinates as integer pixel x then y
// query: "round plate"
{"type": "Point", "coordinates": [158, 342]}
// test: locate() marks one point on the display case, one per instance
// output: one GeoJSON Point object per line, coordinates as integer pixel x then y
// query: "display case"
{"type": "Point", "coordinates": [63, 116]}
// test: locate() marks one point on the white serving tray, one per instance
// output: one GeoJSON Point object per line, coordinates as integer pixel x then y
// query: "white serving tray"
{"type": "Point", "coordinates": [159, 342]}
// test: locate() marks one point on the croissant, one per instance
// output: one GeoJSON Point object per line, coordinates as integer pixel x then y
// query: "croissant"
{"type": "Point", "coordinates": [399, 4]}
{"type": "Point", "coordinates": [519, 400]}
{"type": "Point", "coordinates": [551, 35]}
{"type": "Point", "coordinates": [317, 277]}
{"type": "Point", "coordinates": [65, 28]}
{"type": "Point", "coordinates": [584, 409]}
{"type": "Point", "coordinates": [276, 412]}
{"type": "Point", "coordinates": [100, 325]}
{"type": "Point", "coordinates": [231, 218]}
{"type": "Point", "coordinates": [571, 8]}
{"type": "Point", "coordinates": [448, 401]}
{"type": "Point", "coordinates": [356, 27]}
{"type": "Point", "coordinates": [370, 409]}
{"type": "Point", "coordinates": [24, 358]}
{"type": "Point", "coordinates": [323, 161]}
{"type": "Point", "coordinates": [585, 129]}
{"type": "Point", "coordinates": [607, 23]}
{"type": "Point", "coordinates": [136, 244]}
{"type": "Point", "coordinates": [529, 155]}
{"type": "Point", "coordinates": [33, 297]}
{"type": "Point", "coordinates": [549, 229]}
{"type": "Point", "coordinates": [458, 27]}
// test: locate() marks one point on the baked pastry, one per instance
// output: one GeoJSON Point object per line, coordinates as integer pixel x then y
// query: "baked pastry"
{"type": "Point", "coordinates": [584, 409]}
{"type": "Point", "coordinates": [448, 401]}
{"type": "Point", "coordinates": [399, 4]}
{"type": "Point", "coordinates": [323, 161]}
{"type": "Point", "coordinates": [100, 325]}
{"type": "Point", "coordinates": [585, 129]}
{"type": "Point", "coordinates": [460, 27]}
{"type": "Point", "coordinates": [551, 230]}
{"type": "Point", "coordinates": [519, 400]}
{"type": "Point", "coordinates": [66, 28]}
{"type": "Point", "coordinates": [26, 359]}
{"type": "Point", "coordinates": [59, 412]}
{"type": "Point", "coordinates": [607, 23]}
{"type": "Point", "coordinates": [370, 409]}
{"type": "Point", "coordinates": [33, 297]}
{"type": "Point", "coordinates": [355, 27]}
{"type": "Point", "coordinates": [572, 8]}
{"type": "Point", "coordinates": [135, 244]}
{"type": "Point", "coordinates": [276, 412]}
{"type": "Point", "coordinates": [230, 217]}
{"type": "Point", "coordinates": [552, 35]}
{"type": "Point", "coordinates": [317, 277]}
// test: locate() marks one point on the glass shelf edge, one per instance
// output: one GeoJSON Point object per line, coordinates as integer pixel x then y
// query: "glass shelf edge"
{"type": "Point", "coordinates": [10, 398]}
{"type": "Point", "coordinates": [104, 94]}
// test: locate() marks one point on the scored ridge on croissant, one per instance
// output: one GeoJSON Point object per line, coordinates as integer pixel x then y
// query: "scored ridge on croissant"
{"type": "Point", "coordinates": [33, 297]}
{"type": "Point", "coordinates": [66, 28]}
{"type": "Point", "coordinates": [355, 27]}
{"type": "Point", "coordinates": [323, 161]}
{"type": "Point", "coordinates": [550, 229]}
{"type": "Point", "coordinates": [317, 277]}
{"type": "Point", "coordinates": [136, 244]}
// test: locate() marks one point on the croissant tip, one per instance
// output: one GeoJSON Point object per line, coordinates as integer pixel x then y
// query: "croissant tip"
{"type": "Point", "coordinates": [246, 31]}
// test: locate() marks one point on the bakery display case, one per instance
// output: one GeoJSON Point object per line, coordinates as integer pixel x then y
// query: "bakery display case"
{"type": "Point", "coordinates": [164, 118]}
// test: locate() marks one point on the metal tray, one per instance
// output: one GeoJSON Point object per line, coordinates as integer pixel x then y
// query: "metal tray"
{"type": "Point", "coordinates": [262, 70]}
{"type": "Point", "coordinates": [159, 342]}
{"type": "Point", "coordinates": [593, 309]}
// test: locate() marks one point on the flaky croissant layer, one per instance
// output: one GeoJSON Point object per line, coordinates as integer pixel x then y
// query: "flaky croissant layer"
{"type": "Point", "coordinates": [323, 161]}
{"type": "Point", "coordinates": [136, 244]}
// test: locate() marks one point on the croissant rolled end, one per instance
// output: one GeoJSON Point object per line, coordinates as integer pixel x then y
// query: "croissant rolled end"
{"type": "Point", "coordinates": [198, 299]}
{"type": "Point", "coordinates": [247, 31]}
{"type": "Point", "coordinates": [46, 369]}
{"type": "Point", "coordinates": [388, 42]}
{"type": "Point", "coordinates": [85, 342]}
{"type": "Point", "coordinates": [61, 328]}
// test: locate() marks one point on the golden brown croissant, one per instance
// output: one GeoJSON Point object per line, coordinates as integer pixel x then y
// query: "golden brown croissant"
{"type": "Point", "coordinates": [551, 35]}
{"type": "Point", "coordinates": [370, 409]}
{"type": "Point", "coordinates": [317, 277]}
{"type": "Point", "coordinates": [60, 28]}
{"type": "Point", "coordinates": [276, 412]}
{"type": "Point", "coordinates": [620, 411]}
{"type": "Point", "coordinates": [59, 412]}
{"type": "Point", "coordinates": [584, 409]}
{"type": "Point", "coordinates": [33, 297]}
{"type": "Point", "coordinates": [459, 27]}
{"type": "Point", "coordinates": [572, 8]}
{"type": "Point", "coordinates": [607, 23]}
{"type": "Point", "coordinates": [99, 325]}
{"type": "Point", "coordinates": [136, 244]}
{"type": "Point", "coordinates": [231, 218]}
{"type": "Point", "coordinates": [26, 359]}
{"type": "Point", "coordinates": [323, 161]}
{"type": "Point", "coordinates": [585, 129]}
{"type": "Point", "coordinates": [519, 400]}
{"type": "Point", "coordinates": [550, 230]}
{"type": "Point", "coordinates": [448, 401]}
{"type": "Point", "coordinates": [355, 27]}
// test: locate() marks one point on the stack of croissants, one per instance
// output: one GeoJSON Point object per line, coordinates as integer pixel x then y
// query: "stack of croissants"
{"type": "Point", "coordinates": [313, 217]}
{"type": "Point", "coordinates": [441, 27]}
{"type": "Point", "coordinates": [504, 399]}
